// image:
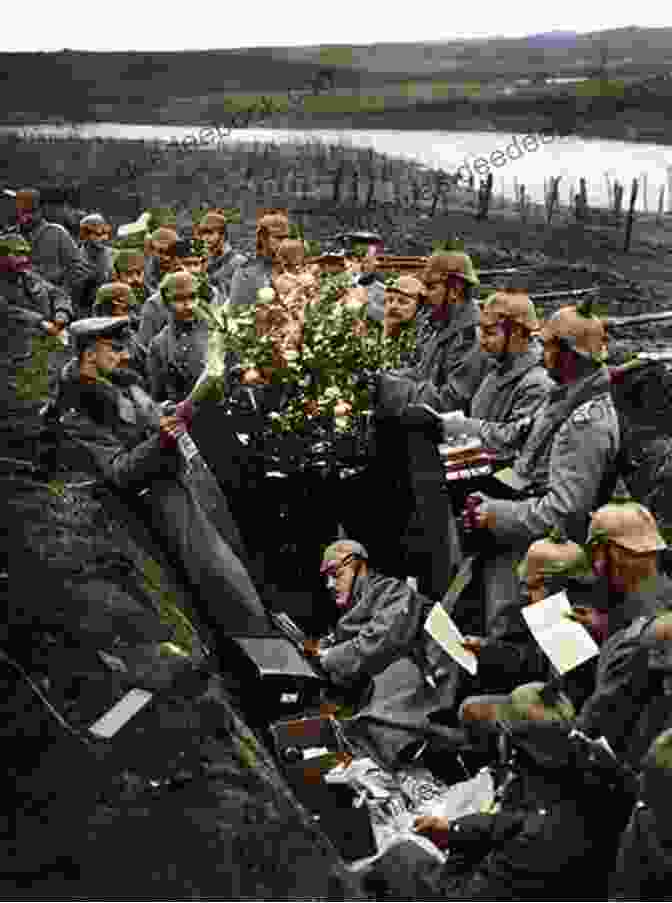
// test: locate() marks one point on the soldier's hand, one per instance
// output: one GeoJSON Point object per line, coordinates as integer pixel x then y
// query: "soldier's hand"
{"type": "Point", "coordinates": [581, 615]}
{"type": "Point", "coordinates": [475, 515]}
{"type": "Point", "coordinates": [434, 828]}
{"type": "Point", "coordinates": [473, 644]}
{"type": "Point", "coordinates": [54, 328]}
{"type": "Point", "coordinates": [170, 430]}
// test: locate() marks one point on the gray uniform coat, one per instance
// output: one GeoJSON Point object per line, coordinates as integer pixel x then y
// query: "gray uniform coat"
{"type": "Point", "coordinates": [176, 358]}
{"type": "Point", "coordinates": [571, 449]}
{"type": "Point", "coordinates": [117, 425]}
{"type": "Point", "coordinates": [247, 280]}
{"type": "Point", "coordinates": [507, 400]}
{"type": "Point", "coordinates": [222, 269]}
{"type": "Point", "coordinates": [56, 256]}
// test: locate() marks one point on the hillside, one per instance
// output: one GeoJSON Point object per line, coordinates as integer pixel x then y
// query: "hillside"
{"type": "Point", "coordinates": [416, 85]}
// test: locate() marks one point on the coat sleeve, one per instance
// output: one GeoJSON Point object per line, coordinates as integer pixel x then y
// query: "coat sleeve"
{"type": "Point", "coordinates": [385, 638]}
{"type": "Point", "coordinates": [59, 302]}
{"type": "Point", "coordinates": [581, 453]}
{"type": "Point", "coordinates": [151, 321]}
{"type": "Point", "coordinates": [508, 437]}
{"type": "Point", "coordinates": [154, 369]}
{"type": "Point", "coordinates": [71, 260]}
{"type": "Point", "coordinates": [124, 468]}
{"type": "Point", "coordinates": [616, 698]}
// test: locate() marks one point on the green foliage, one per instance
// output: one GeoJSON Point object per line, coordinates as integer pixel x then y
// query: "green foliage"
{"type": "Point", "coordinates": [161, 216]}
{"type": "Point", "coordinates": [247, 750]}
{"type": "Point", "coordinates": [296, 231]}
{"type": "Point", "coordinates": [32, 381]}
{"type": "Point", "coordinates": [313, 248]}
{"type": "Point", "coordinates": [183, 631]}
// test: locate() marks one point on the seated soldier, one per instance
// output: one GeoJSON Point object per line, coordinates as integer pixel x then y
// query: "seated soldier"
{"type": "Point", "coordinates": [644, 863]}
{"type": "Point", "coordinates": [114, 300]}
{"type": "Point", "coordinates": [381, 616]}
{"type": "Point", "coordinates": [626, 542]}
{"type": "Point", "coordinates": [450, 365]}
{"type": "Point", "coordinates": [178, 354]}
{"type": "Point", "coordinates": [564, 465]}
{"type": "Point", "coordinates": [503, 408]}
{"type": "Point", "coordinates": [136, 450]}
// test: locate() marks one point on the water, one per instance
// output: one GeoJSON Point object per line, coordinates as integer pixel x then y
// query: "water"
{"type": "Point", "coordinates": [569, 157]}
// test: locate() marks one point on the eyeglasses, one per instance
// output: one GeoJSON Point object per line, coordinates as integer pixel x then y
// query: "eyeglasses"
{"type": "Point", "coordinates": [334, 568]}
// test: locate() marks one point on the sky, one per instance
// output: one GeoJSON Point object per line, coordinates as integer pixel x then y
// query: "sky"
{"type": "Point", "coordinates": [132, 25]}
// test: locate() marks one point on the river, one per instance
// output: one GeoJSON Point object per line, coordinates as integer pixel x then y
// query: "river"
{"type": "Point", "coordinates": [519, 162]}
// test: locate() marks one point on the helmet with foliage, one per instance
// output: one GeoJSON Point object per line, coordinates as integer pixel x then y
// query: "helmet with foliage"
{"type": "Point", "coordinates": [513, 306]}
{"type": "Point", "coordinates": [451, 263]}
{"type": "Point", "coordinates": [94, 226]}
{"type": "Point", "coordinates": [626, 524]}
{"type": "Point", "coordinates": [583, 333]}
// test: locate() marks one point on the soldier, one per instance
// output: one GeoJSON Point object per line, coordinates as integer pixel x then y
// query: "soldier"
{"type": "Point", "coordinates": [136, 450]}
{"type": "Point", "coordinates": [98, 260]}
{"type": "Point", "coordinates": [223, 261]}
{"type": "Point", "coordinates": [272, 229]}
{"type": "Point", "coordinates": [129, 268]}
{"type": "Point", "coordinates": [504, 405]}
{"type": "Point", "coordinates": [159, 256]}
{"type": "Point", "coordinates": [401, 302]}
{"type": "Point", "coordinates": [626, 543]}
{"type": "Point", "coordinates": [55, 255]}
{"type": "Point", "coordinates": [28, 298]}
{"type": "Point", "coordinates": [178, 354]}
{"type": "Point", "coordinates": [450, 364]}
{"type": "Point", "coordinates": [62, 206]}
{"type": "Point", "coordinates": [154, 314]}
{"type": "Point", "coordinates": [570, 451]}
{"type": "Point", "coordinates": [115, 299]}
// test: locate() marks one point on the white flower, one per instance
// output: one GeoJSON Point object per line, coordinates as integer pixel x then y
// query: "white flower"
{"type": "Point", "coordinates": [274, 415]}
{"type": "Point", "coordinates": [291, 355]}
{"type": "Point", "coordinates": [265, 294]}
{"type": "Point", "coordinates": [341, 424]}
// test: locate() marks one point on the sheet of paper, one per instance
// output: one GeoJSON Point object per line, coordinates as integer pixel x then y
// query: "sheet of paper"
{"type": "Point", "coordinates": [507, 476]}
{"type": "Point", "coordinates": [566, 643]}
{"type": "Point", "coordinates": [443, 630]}
{"type": "Point", "coordinates": [128, 706]}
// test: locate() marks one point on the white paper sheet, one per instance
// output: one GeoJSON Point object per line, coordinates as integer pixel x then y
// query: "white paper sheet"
{"type": "Point", "coordinates": [566, 643]}
{"type": "Point", "coordinates": [443, 630]}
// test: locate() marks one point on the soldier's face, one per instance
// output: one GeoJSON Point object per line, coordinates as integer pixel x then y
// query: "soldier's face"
{"type": "Point", "coordinates": [134, 277]}
{"type": "Point", "coordinates": [340, 576]}
{"type": "Point", "coordinates": [493, 338]}
{"type": "Point", "coordinates": [399, 308]}
{"type": "Point", "coordinates": [166, 254]}
{"type": "Point", "coordinates": [274, 236]}
{"type": "Point", "coordinates": [183, 302]}
{"type": "Point", "coordinates": [214, 240]}
{"type": "Point", "coordinates": [109, 355]}
{"type": "Point", "coordinates": [442, 290]}
{"type": "Point", "coordinates": [194, 265]}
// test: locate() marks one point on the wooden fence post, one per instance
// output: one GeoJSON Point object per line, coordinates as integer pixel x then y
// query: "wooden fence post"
{"type": "Point", "coordinates": [661, 204]}
{"type": "Point", "coordinates": [552, 198]}
{"type": "Point", "coordinates": [631, 216]}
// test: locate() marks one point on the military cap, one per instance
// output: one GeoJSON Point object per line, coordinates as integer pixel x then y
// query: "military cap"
{"type": "Point", "coordinates": [585, 334]}
{"type": "Point", "coordinates": [87, 330]}
{"type": "Point", "coordinates": [110, 293]}
{"type": "Point", "coordinates": [341, 549]}
{"type": "Point", "coordinates": [408, 286]}
{"type": "Point", "coordinates": [122, 259]}
{"type": "Point", "coordinates": [452, 263]}
{"type": "Point", "coordinates": [213, 219]}
{"type": "Point", "coordinates": [90, 224]}
{"type": "Point", "coordinates": [14, 245]}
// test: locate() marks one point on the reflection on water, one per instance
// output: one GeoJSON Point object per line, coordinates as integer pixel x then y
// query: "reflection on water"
{"type": "Point", "coordinates": [568, 157]}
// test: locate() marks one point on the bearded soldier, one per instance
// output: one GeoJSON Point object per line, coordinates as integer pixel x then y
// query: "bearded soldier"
{"type": "Point", "coordinates": [135, 449]}
{"type": "Point", "coordinates": [115, 300]}
{"type": "Point", "coordinates": [223, 261]}
{"type": "Point", "coordinates": [570, 451]}
{"type": "Point", "coordinates": [505, 403]}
